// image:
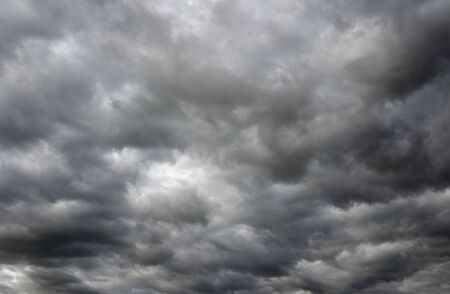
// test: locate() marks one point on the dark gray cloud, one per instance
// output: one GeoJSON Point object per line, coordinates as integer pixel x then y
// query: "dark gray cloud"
{"type": "Point", "coordinates": [224, 147]}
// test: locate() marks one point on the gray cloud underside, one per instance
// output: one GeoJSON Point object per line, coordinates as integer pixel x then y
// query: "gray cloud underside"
{"type": "Point", "coordinates": [224, 147]}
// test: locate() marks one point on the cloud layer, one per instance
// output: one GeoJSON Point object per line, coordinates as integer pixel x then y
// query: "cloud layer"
{"type": "Point", "coordinates": [213, 146]}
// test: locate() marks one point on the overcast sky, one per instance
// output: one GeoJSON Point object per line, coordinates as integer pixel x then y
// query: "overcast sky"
{"type": "Point", "coordinates": [206, 146]}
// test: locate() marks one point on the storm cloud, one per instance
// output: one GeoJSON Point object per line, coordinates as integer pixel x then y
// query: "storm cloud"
{"type": "Point", "coordinates": [213, 146]}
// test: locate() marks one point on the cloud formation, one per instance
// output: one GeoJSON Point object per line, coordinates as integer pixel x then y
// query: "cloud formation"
{"type": "Point", "coordinates": [213, 146]}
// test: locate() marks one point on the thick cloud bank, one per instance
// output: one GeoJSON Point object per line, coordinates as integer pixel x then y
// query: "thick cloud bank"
{"type": "Point", "coordinates": [230, 146]}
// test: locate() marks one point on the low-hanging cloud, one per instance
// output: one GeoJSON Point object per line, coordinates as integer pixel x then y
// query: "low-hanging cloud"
{"type": "Point", "coordinates": [213, 146]}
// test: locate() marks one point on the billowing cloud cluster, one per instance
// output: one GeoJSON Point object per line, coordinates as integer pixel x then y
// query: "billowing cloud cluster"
{"type": "Point", "coordinates": [230, 146]}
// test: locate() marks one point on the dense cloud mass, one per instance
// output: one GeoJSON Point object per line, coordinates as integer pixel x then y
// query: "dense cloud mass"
{"type": "Point", "coordinates": [224, 146]}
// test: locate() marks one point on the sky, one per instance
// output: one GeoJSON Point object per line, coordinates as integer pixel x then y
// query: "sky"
{"type": "Point", "coordinates": [224, 146]}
